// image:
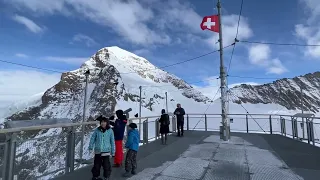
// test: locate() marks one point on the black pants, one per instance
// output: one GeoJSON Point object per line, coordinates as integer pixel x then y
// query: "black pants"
{"type": "Point", "coordinates": [103, 161]}
{"type": "Point", "coordinates": [180, 125]}
{"type": "Point", "coordinates": [131, 160]}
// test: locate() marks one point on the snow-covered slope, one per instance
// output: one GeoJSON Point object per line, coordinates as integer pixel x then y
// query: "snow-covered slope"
{"type": "Point", "coordinates": [285, 92]}
{"type": "Point", "coordinates": [115, 77]}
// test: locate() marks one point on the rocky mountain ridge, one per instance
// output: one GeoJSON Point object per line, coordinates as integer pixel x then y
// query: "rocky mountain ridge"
{"type": "Point", "coordinates": [285, 92]}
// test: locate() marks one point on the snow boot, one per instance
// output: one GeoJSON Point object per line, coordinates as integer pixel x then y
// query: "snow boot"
{"type": "Point", "coordinates": [127, 174]}
{"type": "Point", "coordinates": [133, 172]}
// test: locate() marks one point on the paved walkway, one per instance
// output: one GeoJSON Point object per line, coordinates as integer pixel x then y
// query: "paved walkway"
{"type": "Point", "coordinates": [202, 156]}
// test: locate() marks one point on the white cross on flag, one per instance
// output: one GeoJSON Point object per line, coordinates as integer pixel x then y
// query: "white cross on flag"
{"type": "Point", "coordinates": [210, 23]}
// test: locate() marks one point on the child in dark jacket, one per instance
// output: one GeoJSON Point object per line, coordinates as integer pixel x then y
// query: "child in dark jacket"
{"type": "Point", "coordinates": [102, 141]}
{"type": "Point", "coordinates": [119, 127]}
{"type": "Point", "coordinates": [132, 145]}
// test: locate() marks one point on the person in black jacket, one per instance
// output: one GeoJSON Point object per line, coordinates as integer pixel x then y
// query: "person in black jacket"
{"type": "Point", "coordinates": [179, 112]}
{"type": "Point", "coordinates": [164, 126]}
{"type": "Point", "coordinates": [119, 127]}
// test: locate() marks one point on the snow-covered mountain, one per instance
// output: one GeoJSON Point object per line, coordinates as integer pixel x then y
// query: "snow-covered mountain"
{"type": "Point", "coordinates": [115, 77]}
{"type": "Point", "coordinates": [285, 92]}
{"type": "Point", "coordinates": [108, 66]}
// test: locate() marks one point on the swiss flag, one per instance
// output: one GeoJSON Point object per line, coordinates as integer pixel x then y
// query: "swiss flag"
{"type": "Point", "coordinates": [211, 23]}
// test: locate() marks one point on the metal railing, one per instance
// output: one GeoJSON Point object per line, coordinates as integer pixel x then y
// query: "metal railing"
{"type": "Point", "coordinates": [44, 152]}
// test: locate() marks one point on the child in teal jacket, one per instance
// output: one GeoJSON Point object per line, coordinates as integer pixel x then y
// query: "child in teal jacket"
{"type": "Point", "coordinates": [132, 145]}
{"type": "Point", "coordinates": [102, 142]}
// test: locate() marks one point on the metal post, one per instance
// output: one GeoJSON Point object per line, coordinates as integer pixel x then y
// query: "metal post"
{"type": "Point", "coordinates": [145, 132]}
{"type": "Point", "coordinates": [87, 73]}
{"type": "Point", "coordinates": [301, 104]}
{"type": "Point", "coordinates": [70, 150]}
{"type": "Point", "coordinates": [308, 131]}
{"type": "Point", "coordinates": [205, 123]}
{"type": "Point", "coordinates": [223, 82]}
{"type": "Point", "coordinates": [270, 123]}
{"type": "Point", "coordinates": [312, 132]}
{"type": "Point", "coordinates": [10, 153]}
{"type": "Point", "coordinates": [167, 102]}
{"type": "Point", "coordinates": [157, 129]}
{"type": "Point", "coordinates": [140, 105]}
{"type": "Point", "coordinates": [247, 123]}
{"type": "Point", "coordinates": [187, 122]}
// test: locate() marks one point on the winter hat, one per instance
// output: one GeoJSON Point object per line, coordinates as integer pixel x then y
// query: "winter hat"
{"type": "Point", "coordinates": [104, 119]}
{"type": "Point", "coordinates": [119, 113]}
{"type": "Point", "coordinates": [163, 111]}
{"type": "Point", "coordinates": [133, 125]}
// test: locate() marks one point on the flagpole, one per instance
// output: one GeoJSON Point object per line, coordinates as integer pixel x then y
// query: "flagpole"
{"type": "Point", "coordinates": [225, 130]}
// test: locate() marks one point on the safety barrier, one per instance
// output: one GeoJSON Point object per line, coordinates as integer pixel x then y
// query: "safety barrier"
{"type": "Point", "coordinates": [43, 152]}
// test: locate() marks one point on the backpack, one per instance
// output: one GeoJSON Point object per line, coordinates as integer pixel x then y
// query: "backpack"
{"type": "Point", "coordinates": [166, 121]}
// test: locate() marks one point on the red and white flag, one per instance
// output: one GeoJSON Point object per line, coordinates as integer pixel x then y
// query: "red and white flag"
{"type": "Point", "coordinates": [210, 23]}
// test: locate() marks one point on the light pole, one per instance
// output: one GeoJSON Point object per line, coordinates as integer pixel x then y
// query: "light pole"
{"type": "Point", "coordinates": [87, 73]}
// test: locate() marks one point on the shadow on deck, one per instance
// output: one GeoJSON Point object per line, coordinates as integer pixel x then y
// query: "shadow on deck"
{"type": "Point", "coordinates": [246, 156]}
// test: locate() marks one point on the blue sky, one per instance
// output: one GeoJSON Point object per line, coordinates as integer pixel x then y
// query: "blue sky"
{"type": "Point", "coordinates": [61, 34]}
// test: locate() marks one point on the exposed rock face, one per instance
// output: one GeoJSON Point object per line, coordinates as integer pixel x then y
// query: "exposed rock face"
{"type": "Point", "coordinates": [285, 92]}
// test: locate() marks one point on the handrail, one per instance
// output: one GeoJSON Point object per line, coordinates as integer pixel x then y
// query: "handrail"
{"type": "Point", "coordinates": [59, 125]}
{"type": "Point", "coordinates": [66, 125]}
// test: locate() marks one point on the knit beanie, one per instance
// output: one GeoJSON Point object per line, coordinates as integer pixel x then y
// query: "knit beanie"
{"type": "Point", "coordinates": [133, 125]}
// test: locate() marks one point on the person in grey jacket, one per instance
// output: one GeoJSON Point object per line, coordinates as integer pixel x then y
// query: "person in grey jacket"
{"type": "Point", "coordinates": [179, 112]}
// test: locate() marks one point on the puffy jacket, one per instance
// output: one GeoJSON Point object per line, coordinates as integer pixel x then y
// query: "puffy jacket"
{"type": "Point", "coordinates": [133, 140]}
{"type": "Point", "coordinates": [102, 140]}
{"type": "Point", "coordinates": [119, 127]}
{"type": "Point", "coordinates": [180, 116]}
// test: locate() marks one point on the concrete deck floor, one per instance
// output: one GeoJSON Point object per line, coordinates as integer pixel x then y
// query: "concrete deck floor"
{"type": "Point", "coordinates": [201, 155]}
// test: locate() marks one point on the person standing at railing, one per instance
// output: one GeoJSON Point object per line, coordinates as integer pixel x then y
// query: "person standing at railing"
{"type": "Point", "coordinates": [119, 127]}
{"type": "Point", "coordinates": [164, 126]}
{"type": "Point", "coordinates": [179, 112]}
{"type": "Point", "coordinates": [132, 145]}
{"type": "Point", "coordinates": [102, 141]}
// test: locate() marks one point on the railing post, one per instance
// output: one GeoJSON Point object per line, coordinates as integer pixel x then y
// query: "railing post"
{"type": "Point", "coordinates": [70, 149]}
{"type": "Point", "coordinates": [247, 123]}
{"type": "Point", "coordinates": [312, 132]}
{"type": "Point", "coordinates": [292, 125]}
{"type": "Point", "coordinates": [9, 157]}
{"type": "Point", "coordinates": [157, 128]}
{"type": "Point", "coordinates": [308, 131]}
{"type": "Point", "coordinates": [145, 131]}
{"type": "Point", "coordinates": [205, 122]}
{"type": "Point", "coordinates": [270, 123]}
{"type": "Point", "coordinates": [174, 124]}
{"type": "Point", "coordinates": [187, 122]}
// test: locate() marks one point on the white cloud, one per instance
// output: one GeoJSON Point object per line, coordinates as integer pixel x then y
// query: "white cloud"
{"type": "Point", "coordinates": [83, 38]}
{"type": "Point", "coordinates": [127, 18]}
{"type": "Point", "coordinates": [260, 55]}
{"type": "Point", "coordinates": [142, 22]}
{"type": "Point", "coordinates": [276, 67]}
{"type": "Point", "coordinates": [16, 85]}
{"type": "Point", "coordinates": [310, 31]}
{"type": "Point", "coordinates": [141, 52]}
{"type": "Point", "coordinates": [229, 28]}
{"type": "Point", "coordinates": [69, 60]}
{"type": "Point", "coordinates": [213, 85]}
{"type": "Point", "coordinates": [21, 55]}
{"type": "Point", "coordinates": [32, 26]}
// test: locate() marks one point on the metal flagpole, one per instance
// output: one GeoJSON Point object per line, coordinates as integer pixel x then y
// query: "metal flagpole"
{"type": "Point", "coordinates": [140, 105]}
{"type": "Point", "coordinates": [225, 121]}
